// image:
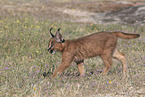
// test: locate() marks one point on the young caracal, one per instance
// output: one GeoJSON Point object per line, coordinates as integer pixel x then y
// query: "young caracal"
{"type": "Point", "coordinates": [101, 44]}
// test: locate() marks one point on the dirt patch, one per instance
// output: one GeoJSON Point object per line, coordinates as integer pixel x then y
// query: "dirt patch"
{"type": "Point", "coordinates": [96, 6]}
{"type": "Point", "coordinates": [81, 12]}
{"type": "Point", "coordinates": [52, 9]}
{"type": "Point", "coordinates": [132, 15]}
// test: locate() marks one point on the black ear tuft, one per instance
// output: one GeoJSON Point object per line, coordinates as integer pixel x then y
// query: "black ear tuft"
{"type": "Point", "coordinates": [51, 33]}
{"type": "Point", "coordinates": [59, 29]}
{"type": "Point", "coordinates": [51, 29]}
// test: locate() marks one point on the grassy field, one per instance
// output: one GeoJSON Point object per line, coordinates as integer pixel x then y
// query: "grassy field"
{"type": "Point", "coordinates": [24, 58]}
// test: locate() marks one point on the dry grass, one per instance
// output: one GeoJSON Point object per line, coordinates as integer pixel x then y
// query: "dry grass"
{"type": "Point", "coordinates": [24, 57]}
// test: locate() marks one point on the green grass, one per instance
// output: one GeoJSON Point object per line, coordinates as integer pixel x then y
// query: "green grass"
{"type": "Point", "coordinates": [24, 58]}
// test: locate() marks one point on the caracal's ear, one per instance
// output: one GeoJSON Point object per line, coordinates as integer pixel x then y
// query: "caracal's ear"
{"type": "Point", "coordinates": [58, 37]}
{"type": "Point", "coordinates": [51, 35]}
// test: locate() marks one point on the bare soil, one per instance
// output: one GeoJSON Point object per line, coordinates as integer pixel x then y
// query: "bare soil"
{"type": "Point", "coordinates": [81, 12]}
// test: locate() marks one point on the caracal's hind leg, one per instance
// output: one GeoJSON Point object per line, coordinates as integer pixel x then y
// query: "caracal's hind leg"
{"type": "Point", "coordinates": [120, 56]}
{"type": "Point", "coordinates": [80, 65]}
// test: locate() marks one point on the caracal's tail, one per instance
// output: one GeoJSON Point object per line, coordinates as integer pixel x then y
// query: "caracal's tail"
{"type": "Point", "coordinates": [125, 35]}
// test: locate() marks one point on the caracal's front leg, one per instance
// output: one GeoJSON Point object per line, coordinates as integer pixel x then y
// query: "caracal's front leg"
{"type": "Point", "coordinates": [66, 62]}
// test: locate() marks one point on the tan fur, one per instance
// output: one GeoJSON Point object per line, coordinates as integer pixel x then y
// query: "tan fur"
{"type": "Point", "coordinates": [125, 35]}
{"type": "Point", "coordinates": [120, 56]}
{"type": "Point", "coordinates": [101, 44]}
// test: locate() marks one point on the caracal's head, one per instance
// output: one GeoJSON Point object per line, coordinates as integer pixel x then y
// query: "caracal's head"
{"type": "Point", "coordinates": [56, 42]}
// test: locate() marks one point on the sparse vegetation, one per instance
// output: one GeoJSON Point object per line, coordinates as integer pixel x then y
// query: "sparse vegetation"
{"type": "Point", "coordinates": [24, 58]}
